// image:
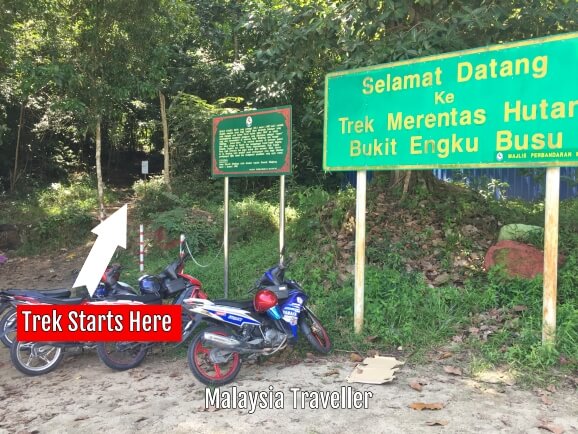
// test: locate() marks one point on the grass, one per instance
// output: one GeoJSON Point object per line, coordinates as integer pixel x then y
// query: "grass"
{"type": "Point", "coordinates": [401, 308]}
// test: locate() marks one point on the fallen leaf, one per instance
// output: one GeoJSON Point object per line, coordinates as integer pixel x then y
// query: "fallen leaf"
{"type": "Point", "coordinates": [452, 370]}
{"type": "Point", "coordinates": [331, 372]}
{"type": "Point", "coordinates": [437, 423]}
{"type": "Point", "coordinates": [416, 386]}
{"type": "Point", "coordinates": [551, 388]}
{"type": "Point", "coordinates": [445, 355]}
{"type": "Point", "coordinates": [371, 338]}
{"type": "Point", "coordinates": [356, 358]}
{"type": "Point", "coordinates": [556, 429]}
{"type": "Point", "coordinates": [426, 406]}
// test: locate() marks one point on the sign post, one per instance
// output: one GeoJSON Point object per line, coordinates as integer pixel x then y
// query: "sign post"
{"type": "Point", "coordinates": [551, 208]}
{"type": "Point", "coordinates": [359, 295]}
{"type": "Point", "coordinates": [281, 219]}
{"type": "Point", "coordinates": [252, 143]}
{"type": "Point", "coordinates": [226, 239]}
{"type": "Point", "coordinates": [509, 105]}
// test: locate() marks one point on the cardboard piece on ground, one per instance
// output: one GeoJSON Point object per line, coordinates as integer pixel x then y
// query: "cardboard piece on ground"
{"type": "Point", "coordinates": [375, 370]}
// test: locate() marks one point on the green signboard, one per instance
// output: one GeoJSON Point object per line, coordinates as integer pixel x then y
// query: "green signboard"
{"type": "Point", "coordinates": [510, 105]}
{"type": "Point", "coordinates": [252, 143]}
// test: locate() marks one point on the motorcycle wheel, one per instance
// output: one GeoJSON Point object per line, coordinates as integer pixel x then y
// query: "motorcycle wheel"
{"type": "Point", "coordinates": [314, 332]}
{"type": "Point", "coordinates": [8, 327]}
{"type": "Point", "coordinates": [35, 358]}
{"type": "Point", "coordinates": [121, 356]}
{"type": "Point", "coordinates": [204, 365]}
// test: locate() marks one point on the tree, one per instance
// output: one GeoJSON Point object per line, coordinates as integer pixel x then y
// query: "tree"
{"type": "Point", "coordinates": [108, 53]}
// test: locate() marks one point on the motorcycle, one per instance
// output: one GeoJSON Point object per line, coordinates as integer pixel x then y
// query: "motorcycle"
{"type": "Point", "coordinates": [109, 286]}
{"type": "Point", "coordinates": [172, 283]}
{"type": "Point", "coordinates": [37, 358]}
{"type": "Point", "coordinates": [263, 325]}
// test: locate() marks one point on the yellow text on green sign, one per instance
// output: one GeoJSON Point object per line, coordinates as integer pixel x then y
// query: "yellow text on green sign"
{"type": "Point", "coordinates": [510, 105]}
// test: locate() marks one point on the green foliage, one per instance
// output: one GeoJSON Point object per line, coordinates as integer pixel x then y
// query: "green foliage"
{"type": "Point", "coordinates": [320, 211]}
{"type": "Point", "coordinates": [190, 118]}
{"type": "Point", "coordinates": [200, 228]}
{"type": "Point", "coordinates": [250, 218]}
{"type": "Point", "coordinates": [58, 216]}
{"type": "Point", "coordinates": [152, 197]}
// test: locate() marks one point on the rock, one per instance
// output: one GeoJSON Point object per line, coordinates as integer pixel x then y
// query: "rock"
{"type": "Point", "coordinates": [441, 279]}
{"type": "Point", "coordinates": [519, 232]}
{"type": "Point", "coordinates": [162, 240]}
{"type": "Point", "coordinates": [469, 230]}
{"type": "Point", "coordinates": [518, 259]}
{"type": "Point", "coordinates": [9, 237]}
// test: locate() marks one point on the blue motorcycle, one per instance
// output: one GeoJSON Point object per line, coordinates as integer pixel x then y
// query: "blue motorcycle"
{"type": "Point", "coordinates": [261, 326]}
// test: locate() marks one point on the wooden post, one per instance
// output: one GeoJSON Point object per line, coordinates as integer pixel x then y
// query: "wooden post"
{"type": "Point", "coordinates": [551, 209]}
{"type": "Point", "coordinates": [359, 251]}
{"type": "Point", "coordinates": [226, 238]}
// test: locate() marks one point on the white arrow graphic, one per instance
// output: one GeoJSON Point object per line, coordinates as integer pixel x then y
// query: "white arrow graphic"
{"type": "Point", "coordinates": [111, 233]}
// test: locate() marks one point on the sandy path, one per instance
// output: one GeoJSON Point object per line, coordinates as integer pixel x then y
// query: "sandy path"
{"type": "Point", "coordinates": [163, 396]}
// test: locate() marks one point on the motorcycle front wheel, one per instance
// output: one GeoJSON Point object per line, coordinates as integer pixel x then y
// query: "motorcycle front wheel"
{"type": "Point", "coordinates": [35, 358]}
{"type": "Point", "coordinates": [8, 327]}
{"type": "Point", "coordinates": [314, 332]}
{"type": "Point", "coordinates": [121, 356]}
{"type": "Point", "coordinates": [212, 366]}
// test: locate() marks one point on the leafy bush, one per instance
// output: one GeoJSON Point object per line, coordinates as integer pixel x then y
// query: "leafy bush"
{"type": "Point", "coordinates": [250, 218]}
{"type": "Point", "coordinates": [320, 212]}
{"type": "Point", "coordinates": [67, 228]}
{"type": "Point", "coordinates": [152, 197]}
{"type": "Point", "coordinates": [200, 228]}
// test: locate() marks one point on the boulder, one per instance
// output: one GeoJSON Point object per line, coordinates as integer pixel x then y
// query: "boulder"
{"type": "Point", "coordinates": [518, 259]}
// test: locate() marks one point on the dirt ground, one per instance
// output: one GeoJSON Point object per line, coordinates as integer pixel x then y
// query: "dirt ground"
{"type": "Point", "coordinates": [163, 396]}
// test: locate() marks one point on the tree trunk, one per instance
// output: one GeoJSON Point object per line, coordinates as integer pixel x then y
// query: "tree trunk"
{"type": "Point", "coordinates": [167, 172]}
{"type": "Point", "coordinates": [15, 175]}
{"type": "Point", "coordinates": [99, 183]}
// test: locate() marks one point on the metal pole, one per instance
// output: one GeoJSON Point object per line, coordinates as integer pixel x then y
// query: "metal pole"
{"type": "Point", "coordinates": [281, 218]}
{"type": "Point", "coordinates": [141, 248]}
{"type": "Point", "coordinates": [226, 238]}
{"type": "Point", "coordinates": [359, 251]}
{"type": "Point", "coordinates": [551, 210]}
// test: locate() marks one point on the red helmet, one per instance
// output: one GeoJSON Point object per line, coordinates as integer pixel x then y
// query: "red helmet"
{"type": "Point", "coordinates": [264, 300]}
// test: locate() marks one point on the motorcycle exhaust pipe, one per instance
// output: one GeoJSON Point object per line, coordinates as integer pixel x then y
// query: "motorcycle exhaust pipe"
{"type": "Point", "coordinates": [222, 342]}
{"type": "Point", "coordinates": [230, 344]}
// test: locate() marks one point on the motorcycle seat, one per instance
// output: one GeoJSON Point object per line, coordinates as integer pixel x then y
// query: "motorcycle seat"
{"type": "Point", "coordinates": [241, 304]}
{"type": "Point", "coordinates": [61, 301]}
{"type": "Point", "coordinates": [56, 293]}
{"type": "Point", "coordinates": [145, 298]}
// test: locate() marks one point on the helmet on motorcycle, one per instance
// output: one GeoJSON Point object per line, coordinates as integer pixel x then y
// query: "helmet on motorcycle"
{"type": "Point", "coordinates": [264, 300]}
{"type": "Point", "coordinates": [149, 285]}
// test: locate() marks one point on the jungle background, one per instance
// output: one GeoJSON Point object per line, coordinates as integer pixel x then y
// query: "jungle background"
{"type": "Point", "coordinates": [90, 88]}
